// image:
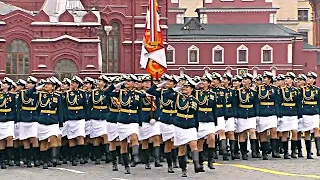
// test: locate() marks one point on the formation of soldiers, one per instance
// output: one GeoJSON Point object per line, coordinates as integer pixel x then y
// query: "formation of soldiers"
{"type": "Point", "coordinates": [130, 119]}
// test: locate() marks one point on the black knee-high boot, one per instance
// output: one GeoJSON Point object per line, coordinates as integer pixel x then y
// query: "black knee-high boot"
{"type": "Point", "coordinates": [308, 148]}
{"type": "Point", "coordinates": [146, 158]}
{"type": "Point", "coordinates": [232, 149]}
{"type": "Point", "coordinates": [201, 159]}
{"type": "Point", "coordinates": [135, 154]}
{"type": "Point", "coordinates": [64, 154]}
{"type": "Point", "coordinates": [317, 141]}
{"type": "Point", "coordinates": [299, 147]}
{"type": "Point", "coordinates": [45, 158]}
{"type": "Point", "coordinates": [28, 155]}
{"type": "Point", "coordinates": [9, 152]}
{"type": "Point", "coordinates": [293, 149]}
{"type": "Point", "coordinates": [223, 149]}
{"type": "Point", "coordinates": [36, 154]}
{"type": "Point", "coordinates": [244, 150]}
{"type": "Point", "coordinates": [210, 158]}
{"type": "Point", "coordinates": [54, 155]}
{"type": "Point", "coordinates": [108, 155]}
{"type": "Point", "coordinates": [174, 153]}
{"type": "Point", "coordinates": [265, 150]}
{"type": "Point", "coordinates": [183, 165]}
{"type": "Point", "coordinates": [253, 143]}
{"type": "Point", "coordinates": [125, 158]}
{"type": "Point", "coordinates": [285, 145]}
{"type": "Point", "coordinates": [2, 159]}
{"type": "Point", "coordinates": [17, 156]}
{"type": "Point", "coordinates": [81, 152]}
{"type": "Point", "coordinates": [281, 148]}
{"type": "Point", "coordinates": [195, 158]}
{"type": "Point", "coordinates": [275, 148]}
{"type": "Point", "coordinates": [236, 149]}
{"type": "Point", "coordinates": [258, 148]}
{"type": "Point", "coordinates": [97, 154]}
{"type": "Point", "coordinates": [169, 162]}
{"type": "Point", "coordinates": [157, 153]}
{"type": "Point", "coordinates": [114, 155]}
{"type": "Point", "coordinates": [74, 155]}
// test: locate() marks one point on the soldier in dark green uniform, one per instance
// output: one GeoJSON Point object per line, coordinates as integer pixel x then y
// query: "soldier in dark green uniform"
{"type": "Point", "coordinates": [28, 114]}
{"type": "Point", "coordinates": [290, 111]}
{"type": "Point", "coordinates": [75, 116]}
{"type": "Point", "coordinates": [300, 83]}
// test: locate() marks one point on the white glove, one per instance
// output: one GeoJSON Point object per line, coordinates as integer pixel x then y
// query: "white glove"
{"type": "Point", "coordinates": [177, 89]}
{"type": "Point", "coordinates": [161, 84]}
{"type": "Point", "coordinates": [40, 87]}
{"type": "Point", "coordinates": [149, 95]}
{"type": "Point", "coordinates": [119, 84]}
{"type": "Point", "coordinates": [153, 121]}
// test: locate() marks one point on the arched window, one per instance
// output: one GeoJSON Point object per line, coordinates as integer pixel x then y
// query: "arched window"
{"type": "Point", "coordinates": [110, 48]}
{"type": "Point", "coordinates": [65, 68]}
{"type": "Point", "coordinates": [17, 62]}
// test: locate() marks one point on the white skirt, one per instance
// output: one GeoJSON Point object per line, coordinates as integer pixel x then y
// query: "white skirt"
{"type": "Point", "coordinates": [230, 124]}
{"type": "Point", "coordinates": [300, 124]}
{"type": "Point", "coordinates": [28, 130]}
{"type": "Point", "coordinates": [125, 130]}
{"type": "Point", "coordinates": [167, 131]}
{"type": "Point", "coordinates": [64, 129]}
{"type": "Point", "coordinates": [98, 128]}
{"type": "Point", "coordinates": [184, 136]}
{"type": "Point", "coordinates": [112, 131]}
{"type": "Point", "coordinates": [45, 131]}
{"type": "Point", "coordinates": [205, 128]}
{"type": "Point", "coordinates": [16, 130]}
{"type": "Point", "coordinates": [235, 125]}
{"type": "Point", "coordinates": [310, 122]}
{"type": "Point", "coordinates": [6, 129]}
{"type": "Point", "coordinates": [288, 123]}
{"type": "Point", "coordinates": [87, 127]}
{"type": "Point", "coordinates": [246, 124]}
{"type": "Point", "coordinates": [265, 123]}
{"type": "Point", "coordinates": [149, 130]}
{"type": "Point", "coordinates": [76, 128]}
{"type": "Point", "coordinates": [221, 124]}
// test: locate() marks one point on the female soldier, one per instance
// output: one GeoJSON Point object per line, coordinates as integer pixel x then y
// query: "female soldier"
{"type": "Point", "coordinates": [128, 119]}
{"type": "Point", "coordinates": [98, 104]}
{"type": "Point", "coordinates": [246, 113]}
{"type": "Point", "coordinates": [51, 115]}
{"type": "Point", "coordinates": [186, 124]}
{"type": "Point", "coordinates": [300, 84]}
{"type": "Point", "coordinates": [267, 114]}
{"type": "Point", "coordinates": [7, 118]}
{"type": "Point", "coordinates": [290, 106]}
{"type": "Point", "coordinates": [229, 114]}
{"type": "Point", "coordinates": [168, 113]}
{"type": "Point", "coordinates": [236, 85]}
{"type": "Point", "coordinates": [207, 118]}
{"type": "Point", "coordinates": [310, 112]}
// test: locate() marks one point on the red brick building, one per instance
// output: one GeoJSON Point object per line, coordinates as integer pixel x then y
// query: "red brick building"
{"type": "Point", "coordinates": [235, 36]}
{"type": "Point", "coordinates": [89, 37]}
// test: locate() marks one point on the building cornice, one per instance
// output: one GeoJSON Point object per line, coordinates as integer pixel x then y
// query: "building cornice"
{"type": "Point", "coordinates": [177, 10]}
{"type": "Point", "coordinates": [2, 23]}
{"type": "Point", "coordinates": [216, 40]}
{"type": "Point", "coordinates": [67, 37]}
{"type": "Point", "coordinates": [162, 26]}
{"type": "Point", "coordinates": [2, 40]}
{"type": "Point", "coordinates": [235, 10]}
{"type": "Point", "coordinates": [65, 24]}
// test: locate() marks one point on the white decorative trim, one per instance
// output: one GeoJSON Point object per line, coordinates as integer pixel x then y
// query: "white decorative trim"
{"type": "Point", "coordinates": [226, 0]}
{"type": "Point", "coordinates": [65, 24]}
{"type": "Point", "coordinates": [143, 26]}
{"type": "Point", "coordinates": [2, 40]}
{"type": "Point", "coordinates": [126, 42]}
{"type": "Point", "coordinates": [236, 10]}
{"type": "Point", "coordinates": [201, 68]}
{"type": "Point", "coordinates": [176, 10]}
{"type": "Point", "coordinates": [42, 66]}
{"type": "Point", "coordinates": [239, 65]}
{"type": "Point", "coordinates": [139, 42]}
{"type": "Point", "coordinates": [193, 48]}
{"type": "Point", "coordinates": [208, 1]}
{"type": "Point", "coordinates": [67, 37]}
{"type": "Point", "coordinates": [243, 47]}
{"type": "Point", "coordinates": [266, 47]}
{"type": "Point", "coordinates": [90, 66]}
{"type": "Point", "coordinates": [174, 1]}
{"type": "Point", "coordinates": [229, 40]}
{"type": "Point", "coordinates": [289, 53]}
{"type": "Point", "coordinates": [170, 48]}
{"type": "Point", "coordinates": [2, 23]}
{"type": "Point", "coordinates": [217, 47]}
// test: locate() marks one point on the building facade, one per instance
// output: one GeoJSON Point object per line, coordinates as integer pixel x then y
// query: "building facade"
{"type": "Point", "coordinates": [296, 15]}
{"type": "Point", "coordinates": [66, 37]}
{"type": "Point", "coordinates": [315, 4]}
{"type": "Point", "coordinates": [222, 39]}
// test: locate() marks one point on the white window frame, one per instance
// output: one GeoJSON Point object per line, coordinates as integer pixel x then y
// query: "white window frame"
{"type": "Point", "coordinates": [243, 47]}
{"type": "Point", "coordinates": [180, 18]}
{"type": "Point", "coordinates": [208, 1]}
{"type": "Point", "coordinates": [242, 69]}
{"type": "Point", "coordinates": [170, 48]}
{"type": "Point", "coordinates": [217, 48]}
{"type": "Point", "coordinates": [174, 1]}
{"type": "Point", "coordinates": [193, 48]}
{"type": "Point", "coordinates": [226, 0]}
{"type": "Point", "coordinates": [267, 48]}
{"type": "Point", "coordinates": [204, 18]}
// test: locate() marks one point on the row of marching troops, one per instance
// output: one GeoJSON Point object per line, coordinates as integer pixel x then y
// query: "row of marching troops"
{"type": "Point", "coordinates": [50, 121]}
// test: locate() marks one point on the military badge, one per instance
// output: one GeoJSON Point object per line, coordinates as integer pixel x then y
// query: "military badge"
{"type": "Point", "coordinates": [55, 100]}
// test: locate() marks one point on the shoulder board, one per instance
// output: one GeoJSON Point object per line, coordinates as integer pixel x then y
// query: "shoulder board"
{"type": "Point", "coordinates": [137, 91]}
{"type": "Point", "coordinates": [57, 94]}
{"type": "Point", "coordinates": [82, 90]}
{"type": "Point", "coordinates": [13, 93]}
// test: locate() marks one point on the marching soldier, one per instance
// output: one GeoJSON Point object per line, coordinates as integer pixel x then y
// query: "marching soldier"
{"type": "Point", "coordinates": [7, 118]}
{"type": "Point", "coordinates": [128, 119]}
{"type": "Point", "coordinates": [50, 116]}
{"type": "Point", "coordinates": [290, 111]}
{"type": "Point", "coordinates": [246, 114]}
{"type": "Point", "coordinates": [168, 113]}
{"type": "Point", "coordinates": [280, 83]}
{"type": "Point", "coordinates": [229, 113]}
{"type": "Point", "coordinates": [267, 114]}
{"type": "Point", "coordinates": [28, 115]}
{"type": "Point", "coordinates": [300, 84]}
{"type": "Point", "coordinates": [310, 112]}
{"type": "Point", "coordinates": [207, 118]}
{"type": "Point", "coordinates": [236, 85]}
{"type": "Point", "coordinates": [75, 118]}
